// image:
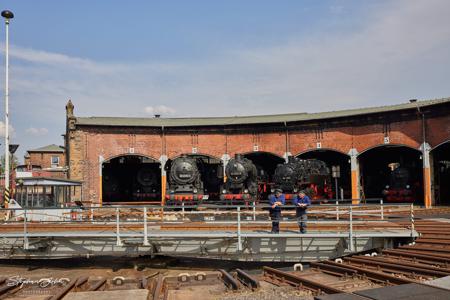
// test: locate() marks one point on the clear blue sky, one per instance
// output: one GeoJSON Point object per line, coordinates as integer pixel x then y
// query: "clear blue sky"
{"type": "Point", "coordinates": [171, 30]}
{"type": "Point", "coordinates": [215, 58]}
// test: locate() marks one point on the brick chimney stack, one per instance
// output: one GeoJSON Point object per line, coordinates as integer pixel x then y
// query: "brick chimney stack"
{"type": "Point", "coordinates": [69, 109]}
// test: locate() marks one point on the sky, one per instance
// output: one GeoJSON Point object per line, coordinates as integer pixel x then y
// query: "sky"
{"type": "Point", "coordinates": [216, 58]}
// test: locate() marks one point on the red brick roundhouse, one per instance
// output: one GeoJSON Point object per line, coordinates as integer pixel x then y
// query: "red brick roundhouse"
{"type": "Point", "coordinates": [363, 142]}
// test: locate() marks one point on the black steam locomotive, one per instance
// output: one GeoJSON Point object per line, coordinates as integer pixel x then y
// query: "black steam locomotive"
{"type": "Point", "coordinates": [286, 176]}
{"type": "Point", "coordinates": [241, 180]}
{"type": "Point", "coordinates": [131, 179]}
{"type": "Point", "coordinates": [400, 187]}
{"type": "Point", "coordinates": [184, 180]}
{"type": "Point", "coordinates": [311, 175]}
{"type": "Point", "coordinates": [147, 186]}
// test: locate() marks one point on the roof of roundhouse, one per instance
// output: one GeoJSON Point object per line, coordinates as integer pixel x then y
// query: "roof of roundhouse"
{"type": "Point", "coordinates": [244, 120]}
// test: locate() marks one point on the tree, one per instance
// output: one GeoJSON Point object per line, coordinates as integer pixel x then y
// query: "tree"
{"type": "Point", "coordinates": [14, 162]}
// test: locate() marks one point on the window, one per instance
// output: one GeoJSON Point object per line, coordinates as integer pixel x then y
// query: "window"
{"type": "Point", "coordinates": [55, 161]}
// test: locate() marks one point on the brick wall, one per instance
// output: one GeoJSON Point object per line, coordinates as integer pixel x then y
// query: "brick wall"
{"type": "Point", "coordinates": [43, 159]}
{"type": "Point", "coordinates": [88, 145]}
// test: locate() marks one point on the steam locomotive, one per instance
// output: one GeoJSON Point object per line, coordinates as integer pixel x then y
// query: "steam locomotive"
{"type": "Point", "coordinates": [400, 187]}
{"type": "Point", "coordinates": [311, 175]}
{"type": "Point", "coordinates": [241, 180]}
{"type": "Point", "coordinates": [147, 185]}
{"type": "Point", "coordinates": [190, 179]}
{"type": "Point", "coordinates": [184, 181]}
{"type": "Point", "coordinates": [122, 186]}
{"type": "Point", "coordinates": [287, 175]}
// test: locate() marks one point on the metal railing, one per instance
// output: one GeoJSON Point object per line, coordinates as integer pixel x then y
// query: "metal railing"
{"type": "Point", "coordinates": [134, 221]}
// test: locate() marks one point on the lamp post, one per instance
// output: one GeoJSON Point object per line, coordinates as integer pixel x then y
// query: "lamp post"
{"type": "Point", "coordinates": [7, 15]}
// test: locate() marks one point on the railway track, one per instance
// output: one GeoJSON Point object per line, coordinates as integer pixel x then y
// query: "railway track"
{"type": "Point", "coordinates": [52, 289]}
{"type": "Point", "coordinates": [425, 260]}
{"type": "Point", "coordinates": [414, 264]}
{"type": "Point", "coordinates": [184, 285]}
{"type": "Point", "coordinates": [281, 278]}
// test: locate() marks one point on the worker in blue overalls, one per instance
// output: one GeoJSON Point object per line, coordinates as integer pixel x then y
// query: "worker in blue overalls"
{"type": "Point", "coordinates": [276, 201]}
{"type": "Point", "coordinates": [301, 202]}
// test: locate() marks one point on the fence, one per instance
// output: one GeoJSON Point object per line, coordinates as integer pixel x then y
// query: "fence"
{"type": "Point", "coordinates": [237, 221]}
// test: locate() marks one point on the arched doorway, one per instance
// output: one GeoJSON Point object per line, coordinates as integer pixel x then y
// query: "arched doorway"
{"type": "Point", "coordinates": [131, 178]}
{"type": "Point", "coordinates": [265, 163]}
{"type": "Point", "coordinates": [334, 158]}
{"type": "Point", "coordinates": [441, 173]}
{"type": "Point", "coordinates": [392, 172]}
{"type": "Point", "coordinates": [211, 174]}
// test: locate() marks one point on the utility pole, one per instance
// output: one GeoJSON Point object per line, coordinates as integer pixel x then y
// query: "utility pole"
{"type": "Point", "coordinates": [7, 15]}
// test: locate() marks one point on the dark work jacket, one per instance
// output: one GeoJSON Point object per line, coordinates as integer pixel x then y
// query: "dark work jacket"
{"type": "Point", "coordinates": [301, 210]}
{"type": "Point", "coordinates": [273, 199]}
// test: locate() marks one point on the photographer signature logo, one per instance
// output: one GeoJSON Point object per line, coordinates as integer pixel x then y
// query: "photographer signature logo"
{"type": "Point", "coordinates": [42, 282]}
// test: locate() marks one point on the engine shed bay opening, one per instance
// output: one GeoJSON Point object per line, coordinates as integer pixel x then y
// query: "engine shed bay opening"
{"type": "Point", "coordinates": [392, 172]}
{"type": "Point", "coordinates": [265, 163]}
{"type": "Point", "coordinates": [131, 179]}
{"type": "Point", "coordinates": [334, 158]}
{"type": "Point", "coordinates": [441, 170]}
{"type": "Point", "coordinates": [211, 172]}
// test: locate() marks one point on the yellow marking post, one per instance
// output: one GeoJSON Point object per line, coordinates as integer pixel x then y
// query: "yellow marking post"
{"type": "Point", "coordinates": [427, 187]}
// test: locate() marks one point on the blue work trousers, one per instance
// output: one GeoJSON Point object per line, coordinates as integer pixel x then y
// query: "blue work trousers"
{"type": "Point", "coordinates": [302, 218]}
{"type": "Point", "coordinates": [275, 216]}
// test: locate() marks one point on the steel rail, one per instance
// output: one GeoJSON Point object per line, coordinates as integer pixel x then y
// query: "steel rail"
{"type": "Point", "coordinates": [65, 290]}
{"type": "Point", "coordinates": [416, 260]}
{"type": "Point", "coordinates": [81, 281]}
{"type": "Point", "coordinates": [435, 236]}
{"type": "Point", "coordinates": [298, 281]}
{"type": "Point", "coordinates": [383, 270]}
{"type": "Point", "coordinates": [6, 288]}
{"type": "Point", "coordinates": [432, 241]}
{"type": "Point", "coordinates": [431, 231]}
{"type": "Point", "coordinates": [408, 263]}
{"type": "Point", "coordinates": [419, 254]}
{"type": "Point", "coordinates": [97, 285]}
{"type": "Point", "coordinates": [396, 266]}
{"type": "Point", "coordinates": [321, 266]}
{"type": "Point", "coordinates": [158, 288]}
{"type": "Point", "coordinates": [247, 280]}
{"type": "Point", "coordinates": [380, 276]}
{"type": "Point", "coordinates": [229, 280]}
{"type": "Point", "coordinates": [429, 248]}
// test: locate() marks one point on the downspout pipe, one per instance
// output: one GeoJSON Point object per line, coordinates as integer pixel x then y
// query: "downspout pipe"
{"type": "Point", "coordinates": [425, 161]}
{"type": "Point", "coordinates": [423, 124]}
{"type": "Point", "coordinates": [286, 137]}
{"type": "Point", "coordinates": [163, 141]}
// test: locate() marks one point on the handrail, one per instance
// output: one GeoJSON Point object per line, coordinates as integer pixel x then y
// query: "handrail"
{"type": "Point", "coordinates": [212, 206]}
{"type": "Point", "coordinates": [346, 215]}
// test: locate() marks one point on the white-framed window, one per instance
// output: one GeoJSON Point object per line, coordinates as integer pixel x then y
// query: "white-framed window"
{"type": "Point", "coordinates": [55, 161]}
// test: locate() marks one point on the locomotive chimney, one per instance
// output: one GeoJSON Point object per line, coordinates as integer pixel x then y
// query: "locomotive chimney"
{"type": "Point", "coordinates": [238, 156]}
{"type": "Point", "coordinates": [291, 159]}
